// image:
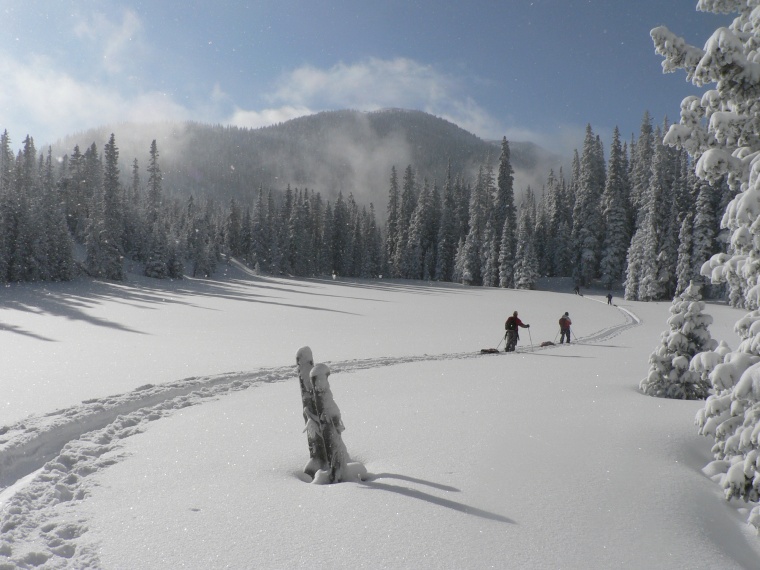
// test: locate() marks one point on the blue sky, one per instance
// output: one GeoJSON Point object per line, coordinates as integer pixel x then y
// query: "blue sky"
{"type": "Point", "coordinates": [530, 70]}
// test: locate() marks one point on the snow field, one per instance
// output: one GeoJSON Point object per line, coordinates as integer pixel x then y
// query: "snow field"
{"type": "Point", "coordinates": [542, 458]}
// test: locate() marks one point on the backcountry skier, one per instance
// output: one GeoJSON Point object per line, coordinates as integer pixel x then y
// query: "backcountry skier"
{"type": "Point", "coordinates": [564, 328]}
{"type": "Point", "coordinates": [512, 335]}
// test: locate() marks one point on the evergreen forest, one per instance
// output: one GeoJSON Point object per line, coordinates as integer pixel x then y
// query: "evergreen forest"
{"type": "Point", "coordinates": [634, 216]}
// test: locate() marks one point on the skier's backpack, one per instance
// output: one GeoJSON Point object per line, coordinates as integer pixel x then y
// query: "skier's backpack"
{"type": "Point", "coordinates": [511, 324]}
{"type": "Point", "coordinates": [563, 323]}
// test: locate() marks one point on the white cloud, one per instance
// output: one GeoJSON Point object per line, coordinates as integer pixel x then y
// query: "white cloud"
{"type": "Point", "coordinates": [266, 117]}
{"type": "Point", "coordinates": [367, 85]}
{"type": "Point", "coordinates": [119, 43]}
{"type": "Point", "coordinates": [370, 85]}
{"type": "Point", "coordinates": [38, 100]}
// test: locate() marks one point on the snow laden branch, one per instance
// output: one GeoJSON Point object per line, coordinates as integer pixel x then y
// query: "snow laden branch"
{"type": "Point", "coordinates": [721, 131]}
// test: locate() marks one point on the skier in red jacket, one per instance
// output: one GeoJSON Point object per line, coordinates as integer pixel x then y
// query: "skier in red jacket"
{"type": "Point", "coordinates": [512, 336]}
{"type": "Point", "coordinates": [564, 328]}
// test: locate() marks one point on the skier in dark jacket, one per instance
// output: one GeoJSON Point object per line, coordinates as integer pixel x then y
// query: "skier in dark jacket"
{"type": "Point", "coordinates": [564, 328]}
{"type": "Point", "coordinates": [512, 336]}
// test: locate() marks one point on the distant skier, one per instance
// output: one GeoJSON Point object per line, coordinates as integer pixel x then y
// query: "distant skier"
{"type": "Point", "coordinates": [609, 298]}
{"type": "Point", "coordinates": [512, 335]}
{"type": "Point", "coordinates": [577, 289]}
{"type": "Point", "coordinates": [564, 328]}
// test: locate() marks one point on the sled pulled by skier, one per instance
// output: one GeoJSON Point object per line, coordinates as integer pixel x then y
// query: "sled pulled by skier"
{"type": "Point", "coordinates": [512, 335]}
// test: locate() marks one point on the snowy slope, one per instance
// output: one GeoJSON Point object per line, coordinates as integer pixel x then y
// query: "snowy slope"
{"type": "Point", "coordinates": [174, 435]}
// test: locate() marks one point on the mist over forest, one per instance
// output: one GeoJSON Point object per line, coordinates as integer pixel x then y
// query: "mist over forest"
{"type": "Point", "coordinates": [330, 152]}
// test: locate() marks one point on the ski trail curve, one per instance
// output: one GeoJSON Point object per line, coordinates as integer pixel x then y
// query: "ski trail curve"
{"type": "Point", "coordinates": [46, 460]}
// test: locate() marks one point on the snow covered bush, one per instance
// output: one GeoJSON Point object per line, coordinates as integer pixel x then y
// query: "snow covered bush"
{"type": "Point", "coordinates": [721, 130]}
{"type": "Point", "coordinates": [669, 373]}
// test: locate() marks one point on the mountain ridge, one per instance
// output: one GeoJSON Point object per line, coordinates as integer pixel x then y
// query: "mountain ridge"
{"type": "Point", "coordinates": [329, 152]}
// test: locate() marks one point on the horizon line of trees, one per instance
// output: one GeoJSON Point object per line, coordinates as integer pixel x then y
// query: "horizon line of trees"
{"type": "Point", "coordinates": [640, 219]}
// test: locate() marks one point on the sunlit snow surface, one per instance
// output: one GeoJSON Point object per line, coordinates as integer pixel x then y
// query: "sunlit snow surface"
{"type": "Point", "coordinates": [158, 425]}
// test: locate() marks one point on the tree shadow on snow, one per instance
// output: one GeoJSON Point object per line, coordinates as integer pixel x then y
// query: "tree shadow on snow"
{"type": "Point", "coordinates": [373, 476]}
{"type": "Point", "coordinates": [421, 495]}
{"type": "Point", "coordinates": [23, 332]}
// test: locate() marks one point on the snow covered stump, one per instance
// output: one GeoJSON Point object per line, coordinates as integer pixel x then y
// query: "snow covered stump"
{"type": "Point", "coordinates": [317, 452]}
{"type": "Point", "coordinates": [329, 460]}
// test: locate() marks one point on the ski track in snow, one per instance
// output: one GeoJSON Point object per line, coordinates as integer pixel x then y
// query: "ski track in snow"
{"type": "Point", "coordinates": [45, 460]}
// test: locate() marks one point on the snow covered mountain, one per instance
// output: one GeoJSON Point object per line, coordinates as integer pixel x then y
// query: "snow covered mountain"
{"type": "Point", "coordinates": [346, 151]}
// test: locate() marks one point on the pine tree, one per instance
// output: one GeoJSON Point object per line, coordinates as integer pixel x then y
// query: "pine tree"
{"type": "Point", "coordinates": [78, 195]}
{"type": "Point", "coordinates": [472, 268]}
{"type": "Point", "coordinates": [506, 259]}
{"type": "Point", "coordinates": [158, 240]}
{"type": "Point", "coordinates": [705, 226]}
{"type": "Point", "coordinates": [684, 268]}
{"type": "Point", "coordinates": [401, 259]}
{"type": "Point", "coordinates": [103, 256]}
{"type": "Point", "coordinates": [540, 235]}
{"type": "Point", "coordinates": [6, 203]}
{"type": "Point", "coordinates": [134, 228]}
{"type": "Point", "coordinates": [422, 236]}
{"type": "Point", "coordinates": [719, 132]}
{"type": "Point", "coordinates": [20, 232]}
{"type": "Point", "coordinates": [326, 248]}
{"type": "Point", "coordinates": [505, 220]}
{"type": "Point", "coordinates": [112, 195]}
{"type": "Point", "coordinates": [526, 269]}
{"type": "Point", "coordinates": [374, 245]}
{"type": "Point", "coordinates": [58, 242]}
{"type": "Point", "coordinates": [491, 245]}
{"type": "Point", "coordinates": [635, 266]}
{"type": "Point", "coordinates": [448, 236]}
{"type": "Point", "coordinates": [669, 373]}
{"type": "Point", "coordinates": [587, 218]}
{"type": "Point", "coordinates": [340, 236]}
{"type": "Point", "coordinates": [641, 165]}
{"type": "Point", "coordinates": [658, 268]}
{"type": "Point", "coordinates": [559, 221]}
{"type": "Point", "coordinates": [615, 216]}
{"type": "Point", "coordinates": [260, 233]}
{"type": "Point", "coordinates": [392, 223]}
{"type": "Point", "coordinates": [234, 230]}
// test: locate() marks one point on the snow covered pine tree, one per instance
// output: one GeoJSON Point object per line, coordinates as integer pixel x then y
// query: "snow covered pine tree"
{"type": "Point", "coordinates": [720, 131]}
{"type": "Point", "coordinates": [669, 374]}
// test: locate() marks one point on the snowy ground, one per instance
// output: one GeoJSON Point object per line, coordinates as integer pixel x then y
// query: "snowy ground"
{"type": "Point", "coordinates": [158, 425]}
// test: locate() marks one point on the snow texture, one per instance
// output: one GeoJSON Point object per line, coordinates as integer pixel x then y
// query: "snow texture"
{"type": "Point", "coordinates": [471, 460]}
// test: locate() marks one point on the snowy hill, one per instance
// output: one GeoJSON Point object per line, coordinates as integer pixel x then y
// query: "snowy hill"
{"type": "Point", "coordinates": [158, 425]}
{"type": "Point", "coordinates": [348, 151]}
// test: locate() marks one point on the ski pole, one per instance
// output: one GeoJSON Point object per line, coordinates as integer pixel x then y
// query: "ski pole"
{"type": "Point", "coordinates": [556, 335]}
{"type": "Point", "coordinates": [502, 340]}
{"type": "Point", "coordinates": [530, 336]}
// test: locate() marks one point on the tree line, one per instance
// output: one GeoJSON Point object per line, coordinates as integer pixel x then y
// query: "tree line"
{"type": "Point", "coordinates": [639, 218]}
